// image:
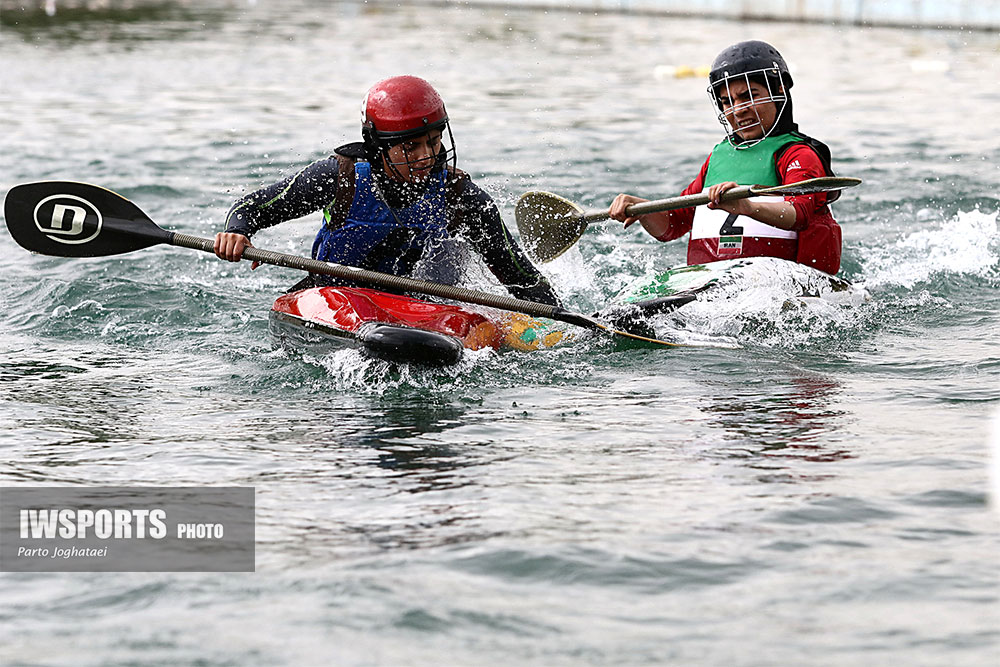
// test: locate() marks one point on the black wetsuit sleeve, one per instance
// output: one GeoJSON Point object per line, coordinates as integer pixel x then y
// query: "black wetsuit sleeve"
{"type": "Point", "coordinates": [478, 220]}
{"type": "Point", "coordinates": [311, 189]}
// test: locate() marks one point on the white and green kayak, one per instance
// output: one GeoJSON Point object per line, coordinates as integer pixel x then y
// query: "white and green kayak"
{"type": "Point", "coordinates": [794, 280]}
{"type": "Point", "coordinates": [779, 281]}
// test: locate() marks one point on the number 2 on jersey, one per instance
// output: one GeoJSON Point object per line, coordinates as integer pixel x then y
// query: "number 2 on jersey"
{"type": "Point", "coordinates": [729, 229]}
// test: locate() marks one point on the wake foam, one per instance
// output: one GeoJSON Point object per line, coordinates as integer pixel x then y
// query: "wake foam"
{"type": "Point", "coordinates": [968, 244]}
{"type": "Point", "coordinates": [769, 302]}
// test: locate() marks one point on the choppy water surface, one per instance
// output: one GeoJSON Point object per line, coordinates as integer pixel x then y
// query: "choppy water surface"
{"type": "Point", "coordinates": [818, 495]}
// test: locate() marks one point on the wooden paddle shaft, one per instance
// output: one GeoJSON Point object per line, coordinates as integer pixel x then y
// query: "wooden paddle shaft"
{"type": "Point", "coordinates": [808, 186]}
{"type": "Point", "coordinates": [671, 204]}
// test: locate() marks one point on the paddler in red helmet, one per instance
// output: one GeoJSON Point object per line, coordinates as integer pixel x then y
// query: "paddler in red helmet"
{"type": "Point", "coordinates": [749, 85]}
{"type": "Point", "coordinates": [394, 202]}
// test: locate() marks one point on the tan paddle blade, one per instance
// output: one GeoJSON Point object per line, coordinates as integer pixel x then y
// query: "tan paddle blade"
{"type": "Point", "coordinates": [544, 240]}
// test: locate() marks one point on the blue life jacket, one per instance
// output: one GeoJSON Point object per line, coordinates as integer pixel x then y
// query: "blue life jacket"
{"type": "Point", "coordinates": [393, 241]}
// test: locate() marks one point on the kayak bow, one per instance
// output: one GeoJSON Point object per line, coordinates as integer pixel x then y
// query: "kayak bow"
{"type": "Point", "coordinates": [400, 328]}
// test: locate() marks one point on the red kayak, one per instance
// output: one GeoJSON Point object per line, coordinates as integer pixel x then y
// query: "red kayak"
{"type": "Point", "coordinates": [399, 328]}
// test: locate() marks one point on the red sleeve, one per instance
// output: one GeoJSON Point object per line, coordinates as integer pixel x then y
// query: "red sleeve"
{"type": "Point", "coordinates": [799, 163]}
{"type": "Point", "coordinates": [682, 219]}
{"type": "Point", "coordinates": [819, 234]}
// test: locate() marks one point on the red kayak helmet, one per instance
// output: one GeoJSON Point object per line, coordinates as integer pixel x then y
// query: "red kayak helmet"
{"type": "Point", "coordinates": [401, 107]}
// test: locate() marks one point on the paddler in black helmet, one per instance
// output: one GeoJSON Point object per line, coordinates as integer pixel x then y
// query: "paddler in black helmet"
{"type": "Point", "coordinates": [749, 85]}
{"type": "Point", "coordinates": [394, 202]}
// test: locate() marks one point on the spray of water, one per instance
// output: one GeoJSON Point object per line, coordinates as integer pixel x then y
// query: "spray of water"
{"type": "Point", "coordinates": [771, 303]}
{"type": "Point", "coordinates": [967, 244]}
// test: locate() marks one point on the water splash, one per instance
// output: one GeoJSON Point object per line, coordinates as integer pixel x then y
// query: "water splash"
{"type": "Point", "coordinates": [968, 244]}
{"type": "Point", "coordinates": [355, 371]}
{"type": "Point", "coordinates": [768, 302]}
{"type": "Point", "coordinates": [86, 305]}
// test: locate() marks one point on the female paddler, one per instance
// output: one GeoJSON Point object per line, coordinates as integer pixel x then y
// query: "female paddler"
{"type": "Point", "coordinates": [749, 85]}
{"type": "Point", "coordinates": [394, 202]}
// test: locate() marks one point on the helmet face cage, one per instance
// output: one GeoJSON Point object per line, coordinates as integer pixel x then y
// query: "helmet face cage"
{"type": "Point", "coordinates": [446, 155]}
{"type": "Point", "coordinates": [776, 93]}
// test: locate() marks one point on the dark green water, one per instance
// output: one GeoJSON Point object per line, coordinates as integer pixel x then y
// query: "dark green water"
{"type": "Point", "coordinates": [820, 495]}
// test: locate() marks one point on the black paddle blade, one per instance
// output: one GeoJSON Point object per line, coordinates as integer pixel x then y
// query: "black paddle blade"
{"type": "Point", "coordinates": [68, 219]}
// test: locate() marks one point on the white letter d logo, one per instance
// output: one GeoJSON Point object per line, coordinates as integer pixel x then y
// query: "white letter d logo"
{"type": "Point", "coordinates": [67, 221]}
{"type": "Point", "coordinates": [58, 225]}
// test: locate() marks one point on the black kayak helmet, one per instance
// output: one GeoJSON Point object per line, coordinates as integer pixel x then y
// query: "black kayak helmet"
{"type": "Point", "coordinates": [747, 58]}
{"type": "Point", "coordinates": [756, 61]}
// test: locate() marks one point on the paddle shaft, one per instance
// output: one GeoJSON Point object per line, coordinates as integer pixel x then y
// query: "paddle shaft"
{"type": "Point", "coordinates": [393, 282]}
{"type": "Point", "coordinates": [671, 204]}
